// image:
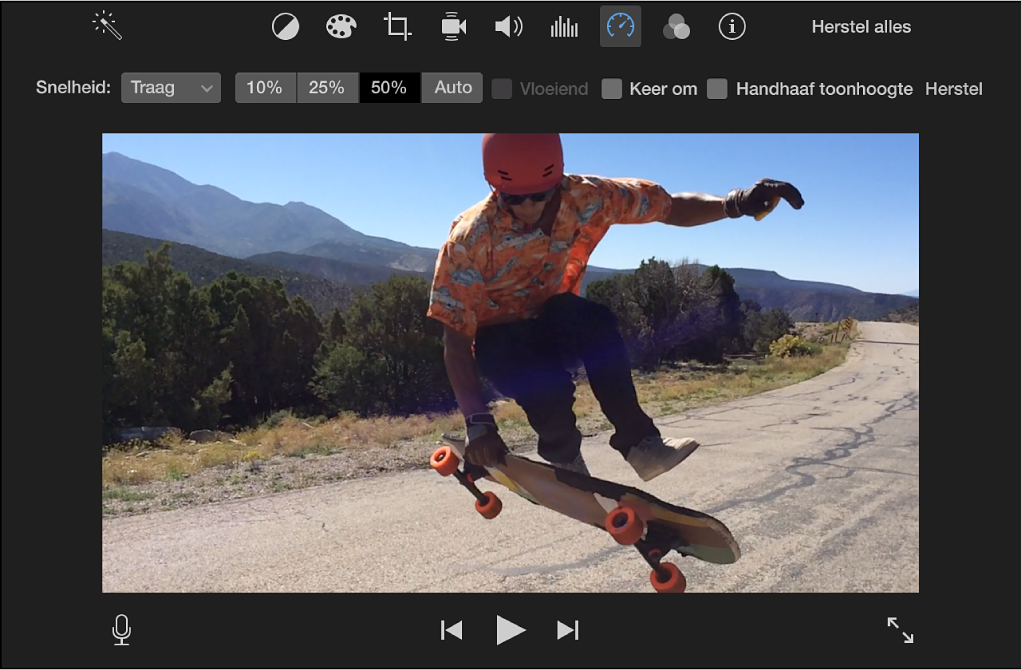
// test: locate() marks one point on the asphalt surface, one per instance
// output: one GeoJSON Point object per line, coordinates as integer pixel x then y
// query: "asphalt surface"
{"type": "Point", "coordinates": [817, 481]}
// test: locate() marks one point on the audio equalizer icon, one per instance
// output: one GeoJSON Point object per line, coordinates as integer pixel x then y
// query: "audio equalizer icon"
{"type": "Point", "coordinates": [563, 28]}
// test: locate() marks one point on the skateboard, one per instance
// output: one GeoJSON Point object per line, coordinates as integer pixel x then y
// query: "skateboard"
{"type": "Point", "coordinates": [631, 516]}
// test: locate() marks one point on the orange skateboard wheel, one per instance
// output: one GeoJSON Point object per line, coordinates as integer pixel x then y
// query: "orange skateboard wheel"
{"type": "Point", "coordinates": [444, 461]}
{"type": "Point", "coordinates": [675, 583]}
{"type": "Point", "coordinates": [624, 525]}
{"type": "Point", "coordinates": [491, 508]}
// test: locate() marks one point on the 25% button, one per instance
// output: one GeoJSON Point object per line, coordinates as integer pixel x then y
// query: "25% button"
{"type": "Point", "coordinates": [327, 87]}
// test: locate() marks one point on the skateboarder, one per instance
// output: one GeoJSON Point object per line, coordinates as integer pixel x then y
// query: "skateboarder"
{"type": "Point", "coordinates": [507, 288]}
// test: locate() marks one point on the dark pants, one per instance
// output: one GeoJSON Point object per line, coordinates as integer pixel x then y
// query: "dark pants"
{"type": "Point", "coordinates": [528, 362]}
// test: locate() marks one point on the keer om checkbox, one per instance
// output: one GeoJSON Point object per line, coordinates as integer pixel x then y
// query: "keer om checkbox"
{"type": "Point", "coordinates": [613, 89]}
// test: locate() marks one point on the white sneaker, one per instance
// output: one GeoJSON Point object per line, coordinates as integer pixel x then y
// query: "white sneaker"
{"type": "Point", "coordinates": [577, 465]}
{"type": "Point", "coordinates": [655, 455]}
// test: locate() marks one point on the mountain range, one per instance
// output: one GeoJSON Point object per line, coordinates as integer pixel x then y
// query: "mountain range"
{"type": "Point", "coordinates": [325, 260]}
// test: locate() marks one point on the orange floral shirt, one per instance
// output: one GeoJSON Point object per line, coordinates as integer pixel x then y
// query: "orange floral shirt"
{"type": "Point", "coordinates": [493, 269]}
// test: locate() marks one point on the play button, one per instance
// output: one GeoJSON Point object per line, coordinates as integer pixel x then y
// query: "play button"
{"type": "Point", "coordinates": [505, 630]}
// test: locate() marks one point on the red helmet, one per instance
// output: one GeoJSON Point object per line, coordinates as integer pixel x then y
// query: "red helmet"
{"type": "Point", "coordinates": [520, 163]}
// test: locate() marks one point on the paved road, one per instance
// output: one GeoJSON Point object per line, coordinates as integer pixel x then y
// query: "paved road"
{"type": "Point", "coordinates": [818, 482]}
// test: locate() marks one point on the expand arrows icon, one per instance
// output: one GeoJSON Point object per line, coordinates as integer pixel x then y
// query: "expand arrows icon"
{"type": "Point", "coordinates": [892, 621]}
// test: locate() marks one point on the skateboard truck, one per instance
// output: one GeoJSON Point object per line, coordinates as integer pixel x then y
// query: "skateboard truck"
{"type": "Point", "coordinates": [652, 556]}
{"type": "Point", "coordinates": [445, 462]}
{"type": "Point", "coordinates": [626, 527]}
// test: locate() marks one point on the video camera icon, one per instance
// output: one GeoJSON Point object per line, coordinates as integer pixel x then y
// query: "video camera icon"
{"type": "Point", "coordinates": [504, 26]}
{"type": "Point", "coordinates": [451, 27]}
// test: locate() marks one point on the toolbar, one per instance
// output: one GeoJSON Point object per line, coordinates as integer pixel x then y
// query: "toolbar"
{"type": "Point", "coordinates": [467, 87]}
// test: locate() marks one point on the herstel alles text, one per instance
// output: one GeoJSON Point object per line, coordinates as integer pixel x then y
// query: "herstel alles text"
{"type": "Point", "coordinates": [878, 27]}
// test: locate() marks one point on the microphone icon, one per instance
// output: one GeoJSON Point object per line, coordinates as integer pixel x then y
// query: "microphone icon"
{"type": "Point", "coordinates": [124, 635]}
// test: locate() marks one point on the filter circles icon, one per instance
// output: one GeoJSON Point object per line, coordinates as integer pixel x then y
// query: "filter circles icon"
{"type": "Point", "coordinates": [676, 28]}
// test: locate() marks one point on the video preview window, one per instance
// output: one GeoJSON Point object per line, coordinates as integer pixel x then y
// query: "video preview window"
{"type": "Point", "coordinates": [510, 363]}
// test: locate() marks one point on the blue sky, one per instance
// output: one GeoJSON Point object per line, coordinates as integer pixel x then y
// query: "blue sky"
{"type": "Point", "coordinates": [859, 225]}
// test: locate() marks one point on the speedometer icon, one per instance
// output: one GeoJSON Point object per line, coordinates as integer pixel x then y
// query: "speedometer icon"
{"type": "Point", "coordinates": [620, 24]}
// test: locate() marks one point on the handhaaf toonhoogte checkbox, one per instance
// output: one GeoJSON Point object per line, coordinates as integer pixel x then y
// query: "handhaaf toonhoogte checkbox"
{"type": "Point", "coordinates": [716, 89]}
{"type": "Point", "coordinates": [613, 89]}
{"type": "Point", "coordinates": [501, 89]}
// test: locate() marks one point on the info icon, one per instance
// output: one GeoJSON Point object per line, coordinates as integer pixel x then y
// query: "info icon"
{"type": "Point", "coordinates": [620, 26]}
{"type": "Point", "coordinates": [732, 26]}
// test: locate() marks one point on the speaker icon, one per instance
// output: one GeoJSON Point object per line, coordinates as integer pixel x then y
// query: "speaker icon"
{"type": "Point", "coordinates": [505, 27]}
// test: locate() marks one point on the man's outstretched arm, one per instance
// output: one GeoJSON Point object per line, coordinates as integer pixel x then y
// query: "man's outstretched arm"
{"type": "Point", "coordinates": [695, 209]}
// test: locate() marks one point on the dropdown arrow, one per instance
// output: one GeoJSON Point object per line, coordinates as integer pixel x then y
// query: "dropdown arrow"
{"type": "Point", "coordinates": [207, 89]}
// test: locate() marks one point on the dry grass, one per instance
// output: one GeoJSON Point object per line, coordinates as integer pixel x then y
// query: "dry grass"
{"type": "Point", "coordinates": [371, 445]}
{"type": "Point", "coordinates": [175, 457]}
{"type": "Point", "coordinates": [669, 392]}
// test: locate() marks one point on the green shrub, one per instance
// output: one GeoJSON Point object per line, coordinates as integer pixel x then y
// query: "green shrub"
{"type": "Point", "coordinates": [672, 312]}
{"type": "Point", "coordinates": [276, 419]}
{"type": "Point", "coordinates": [789, 346]}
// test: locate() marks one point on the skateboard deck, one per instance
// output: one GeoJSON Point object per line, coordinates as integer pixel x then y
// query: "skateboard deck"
{"type": "Point", "coordinates": [630, 515]}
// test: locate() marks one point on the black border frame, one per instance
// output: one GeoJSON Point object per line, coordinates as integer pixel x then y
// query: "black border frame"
{"type": "Point", "coordinates": [54, 615]}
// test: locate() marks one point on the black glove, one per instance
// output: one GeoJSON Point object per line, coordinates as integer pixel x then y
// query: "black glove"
{"type": "Point", "coordinates": [484, 444]}
{"type": "Point", "coordinates": [761, 198]}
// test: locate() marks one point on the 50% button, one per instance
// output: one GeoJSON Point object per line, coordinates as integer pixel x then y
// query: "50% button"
{"type": "Point", "coordinates": [391, 87]}
{"type": "Point", "coordinates": [265, 87]}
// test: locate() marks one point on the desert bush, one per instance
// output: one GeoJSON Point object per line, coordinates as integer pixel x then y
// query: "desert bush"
{"type": "Point", "coordinates": [790, 346]}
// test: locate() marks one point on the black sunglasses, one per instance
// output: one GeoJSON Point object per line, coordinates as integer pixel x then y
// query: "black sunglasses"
{"type": "Point", "coordinates": [520, 199]}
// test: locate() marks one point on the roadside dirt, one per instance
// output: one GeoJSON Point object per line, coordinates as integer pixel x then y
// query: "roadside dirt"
{"type": "Point", "coordinates": [281, 473]}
